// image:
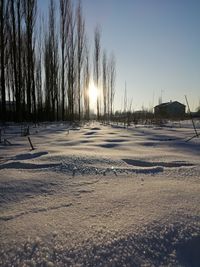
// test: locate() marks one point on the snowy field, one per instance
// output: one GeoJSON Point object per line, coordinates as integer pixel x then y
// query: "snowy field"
{"type": "Point", "coordinates": [100, 195]}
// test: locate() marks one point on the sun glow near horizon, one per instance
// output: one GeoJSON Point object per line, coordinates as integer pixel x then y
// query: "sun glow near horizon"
{"type": "Point", "coordinates": [93, 92]}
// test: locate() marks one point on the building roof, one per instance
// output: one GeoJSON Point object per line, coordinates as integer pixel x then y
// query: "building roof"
{"type": "Point", "coordinates": [169, 103]}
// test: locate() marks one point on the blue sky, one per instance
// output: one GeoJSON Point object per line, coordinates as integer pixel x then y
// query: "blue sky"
{"type": "Point", "coordinates": [156, 44]}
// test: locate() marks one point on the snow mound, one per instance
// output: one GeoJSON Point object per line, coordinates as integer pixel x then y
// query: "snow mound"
{"type": "Point", "coordinates": [141, 163]}
{"type": "Point", "coordinates": [98, 195]}
{"type": "Point", "coordinates": [155, 246]}
{"type": "Point", "coordinates": [27, 156]}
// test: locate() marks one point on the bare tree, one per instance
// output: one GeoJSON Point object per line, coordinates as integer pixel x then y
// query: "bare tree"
{"type": "Point", "coordinates": [15, 11]}
{"type": "Point", "coordinates": [86, 84]}
{"type": "Point", "coordinates": [97, 51]}
{"type": "Point", "coordinates": [48, 77]}
{"type": "Point", "coordinates": [104, 82]}
{"type": "Point", "coordinates": [51, 65]}
{"type": "Point", "coordinates": [24, 75]}
{"type": "Point", "coordinates": [3, 4]}
{"type": "Point", "coordinates": [19, 19]}
{"type": "Point", "coordinates": [14, 54]}
{"type": "Point", "coordinates": [71, 68]}
{"type": "Point", "coordinates": [30, 8]}
{"type": "Point", "coordinates": [38, 78]}
{"type": "Point", "coordinates": [80, 51]}
{"type": "Point", "coordinates": [47, 81]}
{"type": "Point", "coordinates": [64, 31]}
{"type": "Point", "coordinates": [8, 79]}
{"type": "Point", "coordinates": [125, 105]}
{"type": "Point", "coordinates": [112, 73]}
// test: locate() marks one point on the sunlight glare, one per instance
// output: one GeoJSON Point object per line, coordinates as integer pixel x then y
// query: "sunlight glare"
{"type": "Point", "coordinates": [93, 93]}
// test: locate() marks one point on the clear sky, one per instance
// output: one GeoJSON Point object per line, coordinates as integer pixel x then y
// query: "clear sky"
{"type": "Point", "coordinates": [156, 44]}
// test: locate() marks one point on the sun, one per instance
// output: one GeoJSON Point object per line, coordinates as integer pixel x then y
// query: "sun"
{"type": "Point", "coordinates": [93, 93]}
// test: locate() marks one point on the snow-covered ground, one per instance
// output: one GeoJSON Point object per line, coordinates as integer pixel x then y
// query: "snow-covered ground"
{"type": "Point", "coordinates": [100, 195]}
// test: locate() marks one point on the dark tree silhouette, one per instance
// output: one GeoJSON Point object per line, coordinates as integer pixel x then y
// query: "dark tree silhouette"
{"type": "Point", "coordinates": [45, 76]}
{"type": "Point", "coordinates": [86, 84]}
{"type": "Point", "coordinates": [97, 51]}
{"type": "Point", "coordinates": [51, 66]}
{"type": "Point", "coordinates": [64, 32]}
{"type": "Point", "coordinates": [104, 82]}
{"type": "Point", "coordinates": [30, 8]}
{"type": "Point", "coordinates": [3, 4]}
{"type": "Point", "coordinates": [80, 51]}
{"type": "Point", "coordinates": [112, 73]}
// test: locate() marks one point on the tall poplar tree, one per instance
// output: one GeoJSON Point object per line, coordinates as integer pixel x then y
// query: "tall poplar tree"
{"type": "Point", "coordinates": [97, 51]}
{"type": "Point", "coordinates": [80, 51]}
{"type": "Point", "coordinates": [3, 4]}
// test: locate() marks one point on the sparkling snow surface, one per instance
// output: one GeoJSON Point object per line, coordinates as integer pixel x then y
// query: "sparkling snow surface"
{"type": "Point", "coordinates": [100, 195]}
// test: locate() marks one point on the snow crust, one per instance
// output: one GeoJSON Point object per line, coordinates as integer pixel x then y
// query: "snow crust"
{"type": "Point", "coordinates": [100, 195]}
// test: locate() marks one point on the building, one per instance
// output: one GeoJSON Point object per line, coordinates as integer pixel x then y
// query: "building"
{"type": "Point", "coordinates": [171, 110]}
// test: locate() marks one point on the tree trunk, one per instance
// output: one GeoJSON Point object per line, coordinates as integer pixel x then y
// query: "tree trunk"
{"type": "Point", "coordinates": [3, 89]}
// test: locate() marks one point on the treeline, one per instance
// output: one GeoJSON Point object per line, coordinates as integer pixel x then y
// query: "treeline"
{"type": "Point", "coordinates": [46, 64]}
{"type": "Point", "coordinates": [148, 117]}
